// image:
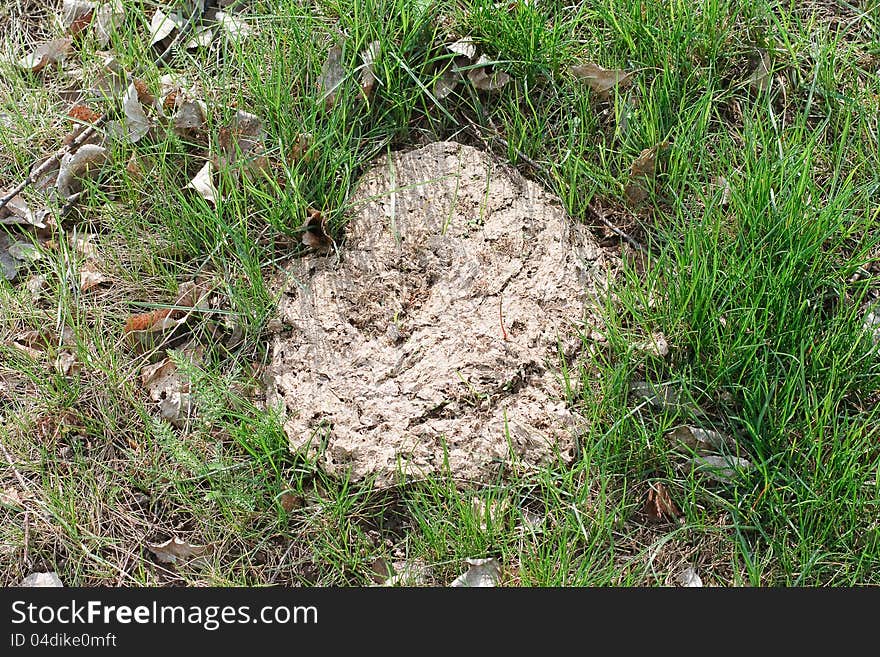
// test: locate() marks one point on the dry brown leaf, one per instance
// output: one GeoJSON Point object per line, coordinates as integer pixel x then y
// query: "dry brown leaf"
{"type": "Point", "coordinates": [76, 15]}
{"type": "Point", "coordinates": [162, 26]}
{"type": "Point", "coordinates": [108, 17]}
{"type": "Point", "coordinates": [659, 506]}
{"type": "Point", "coordinates": [90, 277]}
{"type": "Point", "coordinates": [642, 172]}
{"type": "Point", "coordinates": [84, 163]}
{"type": "Point", "coordinates": [701, 440]}
{"type": "Point", "coordinates": [368, 73]}
{"type": "Point", "coordinates": [721, 468]}
{"type": "Point", "coordinates": [601, 80]}
{"type": "Point", "coordinates": [137, 125]}
{"type": "Point", "coordinates": [300, 148]}
{"type": "Point", "coordinates": [17, 212]}
{"type": "Point", "coordinates": [485, 81]}
{"type": "Point", "coordinates": [174, 550]}
{"type": "Point", "coordinates": [315, 235]}
{"type": "Point", "coordinates": [233, 27]}
{"type": "Point", "coordinates": [242, 142]}
{"type": "Point", "coordinates": [480, 573]}
{"type": "Point", "coordinates": [46, 54]}
{"type": "Point", "coordinates": [761, 79]}
{"type": "Point", "coordinates": [332, 76]}
{"type": "Point", "coordinates": [83, 113]}
{"type": "Point", "coordinates": [203, 183]}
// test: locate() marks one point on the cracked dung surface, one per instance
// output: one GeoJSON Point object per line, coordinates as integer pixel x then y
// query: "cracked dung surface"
{"type": "Point", "coordinates": [433, 339]}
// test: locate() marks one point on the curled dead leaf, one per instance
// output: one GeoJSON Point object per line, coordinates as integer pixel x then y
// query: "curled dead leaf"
{"type": "Point", "coordinates": [315, 235]}
{"type": "Point", "coordinates": [484, 81]}
{"type": "Point", "coordinates": [174, 550]}
{"type": "Point", "coordinates": [203, 183]}
{"type": "Point", "coordinates": [601, 80]}
{"type": "Point", "coordinates": [721, 468]}
{"type": "Point", "coordinates": [368, 74]}
{"type": "Point", "coordinates": [78, 166]}
{"type": "Point", "coordinates": [480, 573]}
{"type": "Point", "coordinates": [163, 26]}
{"type": "Point", "coordinates": [701, 440]}
{"type": "Point", "coordinates": [107, 19]}
{"type": "Point", "coordinates": [332, 77]}
{"type": "Point", "coordinates": [89, 276]}
{"type": "Point", "coordinates": [659, 506]}
{"type": "Point", "coordinates": [45, 54]}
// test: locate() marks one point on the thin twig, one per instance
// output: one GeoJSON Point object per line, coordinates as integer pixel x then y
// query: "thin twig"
{"type": "Point", "coordinates": [614, 229]}
{"type": "Point", "coordinates": [473, 129]}
{"type": "Point", "coordinates": [79, 139]}
{"type": "Point", "coordinates": [18, 476]}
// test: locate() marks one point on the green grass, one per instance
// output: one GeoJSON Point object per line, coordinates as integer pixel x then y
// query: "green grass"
{"type": "Point", "coordinates": [761, 297]}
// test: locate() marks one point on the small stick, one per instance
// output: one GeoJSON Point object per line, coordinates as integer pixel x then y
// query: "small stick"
{"type": "Point", "coordinates": [26, 557]}
{"type": "Point", "coordinates": [501, 318]}
{"type": "Point", "coordinates": [15, 471]}
{"type": "Point", "coordinates": [614, 229]}
{"type": "Point", "coordinates": [79, 139]}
